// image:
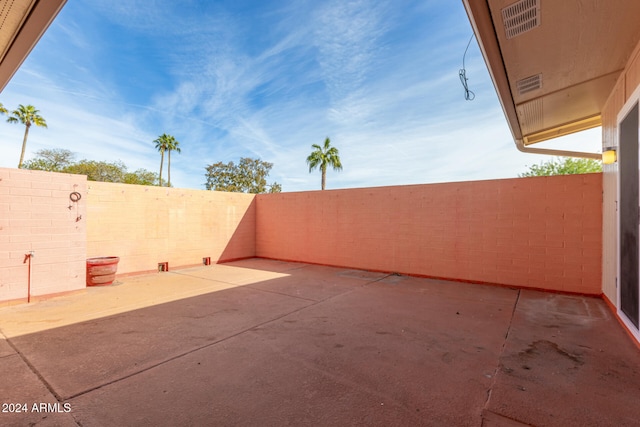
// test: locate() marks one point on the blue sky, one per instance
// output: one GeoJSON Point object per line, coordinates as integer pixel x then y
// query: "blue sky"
{"type": "Point", "coordinates": [267, 79]}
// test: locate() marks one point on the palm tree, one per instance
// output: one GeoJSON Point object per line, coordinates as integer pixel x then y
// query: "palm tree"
{"type": "Point", "coordinates": [171, 146]}
{"type": "Point", "coordinates": [2, 109]}
{"type": "Point", "coordinates": [27, 115]}
{"type": "Point", "coordinates": [323, 156]}
{"type": "Point", "coordinates": [162, 145]}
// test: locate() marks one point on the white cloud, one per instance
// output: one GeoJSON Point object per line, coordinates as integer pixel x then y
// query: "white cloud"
{"type": "Point", "coordinates": [346, 35]}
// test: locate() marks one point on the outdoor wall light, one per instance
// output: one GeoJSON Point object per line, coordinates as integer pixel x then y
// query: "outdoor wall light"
{"type": "Point", "coordinates": [609, 156]}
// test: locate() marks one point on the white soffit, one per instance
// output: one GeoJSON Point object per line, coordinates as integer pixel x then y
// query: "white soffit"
{"type": "Point", "coordinates": [22, 23]}
{"type": "Point", "coordinates": [577, 48]}
{"type": "Point", "coordinates": [12, 16]}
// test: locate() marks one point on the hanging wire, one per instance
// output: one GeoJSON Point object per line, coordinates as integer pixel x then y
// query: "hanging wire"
{"type": "Point", "coordinates": [468, 94]}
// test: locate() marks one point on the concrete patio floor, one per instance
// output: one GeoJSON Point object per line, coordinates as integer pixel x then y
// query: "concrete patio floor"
{"type": "Point", "coordinates": [270, 343]}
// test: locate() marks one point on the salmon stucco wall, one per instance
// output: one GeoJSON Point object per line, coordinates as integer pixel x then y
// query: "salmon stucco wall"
{"type": "Point", "coordinates": [146, 225]}
{"type": "Point", "coordinates": [36, 214]}
{"type": "Point", "coordinates": [626, 85]}
{"type": "Point", "coordinates": [542, 232]}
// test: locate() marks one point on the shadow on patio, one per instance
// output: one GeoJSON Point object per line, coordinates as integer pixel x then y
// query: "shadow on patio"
{"type": "Point", "coordinates": [276, 343]}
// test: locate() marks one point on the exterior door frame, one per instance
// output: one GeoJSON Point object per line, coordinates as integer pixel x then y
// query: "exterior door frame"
{"type": "Point", "coordinates": [633, 100]}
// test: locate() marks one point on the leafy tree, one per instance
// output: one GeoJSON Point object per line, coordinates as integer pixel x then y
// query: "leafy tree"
{"type": "Point", "coordinates": [52, 160]}
{"type": "Point", "coordinates": [275, 188]}
{"type": "Point", "coordinates": [27, 115]}
{"type": "Point", "coordinates": [172, 145]}
{"type": "Point", "coordinates": [141, 177]}
{"type": "Point", "coordinates": [248, 176]}
{"type": "Point", "coordinates": [322, 157]}
{"type": "Point", "coordinates": [564, 166]}
{"type": "Point", "coordinates": [3, 110]}
{"type": "Point", "coordinates": [112, 172]}
{"type": "Point", "coordinates": [60, 160]}
{"type": "Point", "coordinates": [99, 170]}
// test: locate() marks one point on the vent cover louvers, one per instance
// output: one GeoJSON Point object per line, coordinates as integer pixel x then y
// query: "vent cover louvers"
{"type": "Point", "coordinates": [521, 17]}
{"type": "Point", "coordinates": [529, 84]}
{"type": "Point", "coordinates": [531, 117]}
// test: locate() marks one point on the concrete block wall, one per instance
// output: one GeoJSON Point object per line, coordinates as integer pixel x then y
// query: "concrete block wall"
{"type": "Point", "coordinates": [35, 216]}
{"type": "Point", "coordinates": [543, 232]}
{"type": "Point", "coordinates": [146, 225]}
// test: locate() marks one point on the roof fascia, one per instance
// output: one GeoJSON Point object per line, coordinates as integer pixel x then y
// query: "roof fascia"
{"type": "Point", "coordinates": [482, 24]}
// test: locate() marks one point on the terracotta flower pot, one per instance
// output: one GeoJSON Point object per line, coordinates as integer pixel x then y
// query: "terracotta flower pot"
{"type": "Point", "coordinates": [101, 271]}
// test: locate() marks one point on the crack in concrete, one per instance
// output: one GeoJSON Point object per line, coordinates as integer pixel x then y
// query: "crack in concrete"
{"type": "Point", "coordinates": [282, 293]}
{"type": "Point", "coordinates": [500, 420]}
{"type": "Point", "coordinates": [7, 355]}
{"type": "Point", "coordinates": [495, 372]}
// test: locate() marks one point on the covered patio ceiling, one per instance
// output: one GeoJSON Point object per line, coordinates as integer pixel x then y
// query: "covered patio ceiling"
{"type": "Point", "coordinates": [22, 23]}
{"type": "Point", "coordinates": [554, 63]}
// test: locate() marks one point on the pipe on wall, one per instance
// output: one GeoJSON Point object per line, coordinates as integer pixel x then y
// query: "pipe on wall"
{"type": "Point", "coordinates": [553, 152]}
{"type": "Point", "coordinates": [27, 257]}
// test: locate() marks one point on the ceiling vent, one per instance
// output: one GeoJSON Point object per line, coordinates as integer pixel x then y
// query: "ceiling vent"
{"type": "Point", "coordinates": [531, 117]}
{"type": "Point", "coordinates": [529, 84]}
{"type": "Point", "coordinates": [521, 17]}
